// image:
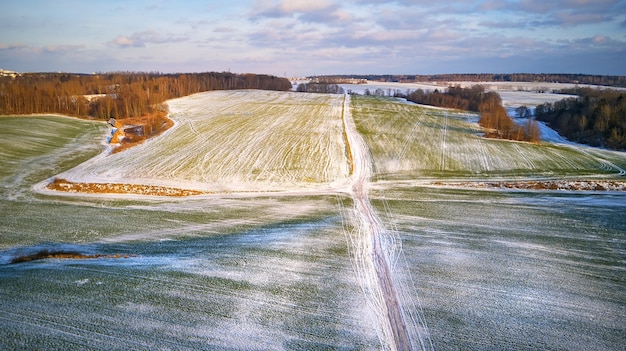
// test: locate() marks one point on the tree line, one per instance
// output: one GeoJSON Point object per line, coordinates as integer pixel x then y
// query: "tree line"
{"type": "Point", "coordinates": [316, 87]}
{"type": "Point", "coordinates": [595, 117]}
{"type": "Point", "coordinates": [614, 81]}
{"type": "Point", "coordinates": [493, 116]}
{"type": "Point", "coordinates": [117, 94]}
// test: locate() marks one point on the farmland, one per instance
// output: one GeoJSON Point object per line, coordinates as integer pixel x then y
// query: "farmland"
{"type": "Point", "coordinates": [229, 141]}
{"type": "Point", "coordinates": [414, 142]}
{"type": "Point", "coordinates": [501, 269]}
{"type": "Point", "coordinates": [300, 194]}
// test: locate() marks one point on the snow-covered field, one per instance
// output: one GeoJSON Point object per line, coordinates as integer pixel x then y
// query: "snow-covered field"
{"type": "Point", "coordinates": [494, 269]}
{"type": "Point", "coordinates": [325, 231]}
{"type": "Point", "coordinates": [235, 272]}
{"type": "Point", "coordinates": [511, 270]}
{"type": "Point", "coordinates": [414, 142]}
{"type": "Point", "coordinates": [513, 94]}
{"type": "Point", "coordinates": [227, 141]}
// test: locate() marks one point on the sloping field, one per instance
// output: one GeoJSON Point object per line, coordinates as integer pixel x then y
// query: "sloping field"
{"type": "Point", "coordinates": [262, 272]}
{"type": "Point", "coordinates": [413, 142]}
{"type": "Point", "coordinates": [37, 147]}
{"type": "Point", "coordinates": [510, 270]}
{"type": "Point", "coordinates": [312, 270]}
{"type": "Point", "coordinates": [492, 269]}
{"type": "Point", "coordinates": [285, 286]}
{"type": "Point", "coordinates": [236, 141]}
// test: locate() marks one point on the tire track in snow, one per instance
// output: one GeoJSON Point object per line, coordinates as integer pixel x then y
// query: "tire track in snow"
{"type": "Point", "coordinates": [442, 162]}
{"type": "Point", "coordinates": [371, 248]}
{"type": "Point", "coordinates": [409, 140]}
{"type": "Point", "coordinates": [604, 163]}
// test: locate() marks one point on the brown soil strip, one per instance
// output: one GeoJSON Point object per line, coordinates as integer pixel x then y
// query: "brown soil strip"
{"type": "Point", "coordinates": [45, 254]}
{"type": "Point", "coordinates": [569, 185]}
{"type": "Point", "coordinates": [116, 188]}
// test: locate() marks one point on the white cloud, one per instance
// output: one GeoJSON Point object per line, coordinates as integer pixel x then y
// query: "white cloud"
{"type": "Point", "coordinates": [295, 6]}
{"type": "Point", "coordinates": [304, 10]}
{"type": "Point", "coordinates": [12, 46]}
{"type": "Point", "coordinates": [140, 39]}
{"type": "Point", "coordinates": [318, 37]}
{"type": "Point", "coordinates": [125, 42]}
{"type": "Point", "coordinates": [62, 49]}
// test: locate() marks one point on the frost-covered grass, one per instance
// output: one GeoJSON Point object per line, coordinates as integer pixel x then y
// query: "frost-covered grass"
{"type": "Point", "coordinates": [262, 272]}
{"type": "Point", "coordinates": [236, 140]}
{"type": "Point", "coordinates": [410, 142]}
{"type": "Point", "coordinates": [286, 286]}
{"type": "Point", "coordinates": [34, 148]}
{"type": "Point", "coordinates": [491, 269]}
{"type": "Point", "coordinates": [35, 136]}
{"type": "Point", "coordinates": [483, 269]}
{"type": "Point", "coordinates": [511, 270]}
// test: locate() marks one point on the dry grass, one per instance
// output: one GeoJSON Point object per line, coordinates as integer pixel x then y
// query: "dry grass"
{"type": "Point", "coordinates": [578, 185]}
{"type": "Point", "coordinates": [116, 188]}
{"type": "Point", "coordinates": [135, 130]}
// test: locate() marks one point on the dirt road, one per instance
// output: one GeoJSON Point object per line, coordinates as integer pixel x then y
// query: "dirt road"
{"type": "Point", "coordinates": [372, 230]}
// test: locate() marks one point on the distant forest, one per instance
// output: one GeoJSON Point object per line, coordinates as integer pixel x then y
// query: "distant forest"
{"type": "Point", "coordinates": [493, 116]}
{"type": "Point", "coordinates": [595, 117]}
{"type": "Point", "coordinates": [319, 87]}
{"type": "Point", "coordinates": [614, 81]}
{"type": "Point", "coordinates": [118, 94]}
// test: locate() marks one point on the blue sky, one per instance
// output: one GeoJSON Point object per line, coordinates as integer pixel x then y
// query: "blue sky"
{"type": "Point", "coordinates": [311, 37]}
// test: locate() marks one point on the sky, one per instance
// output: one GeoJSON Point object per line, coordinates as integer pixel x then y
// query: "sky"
{"type": "Point", "coordinates": [297, 38]}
